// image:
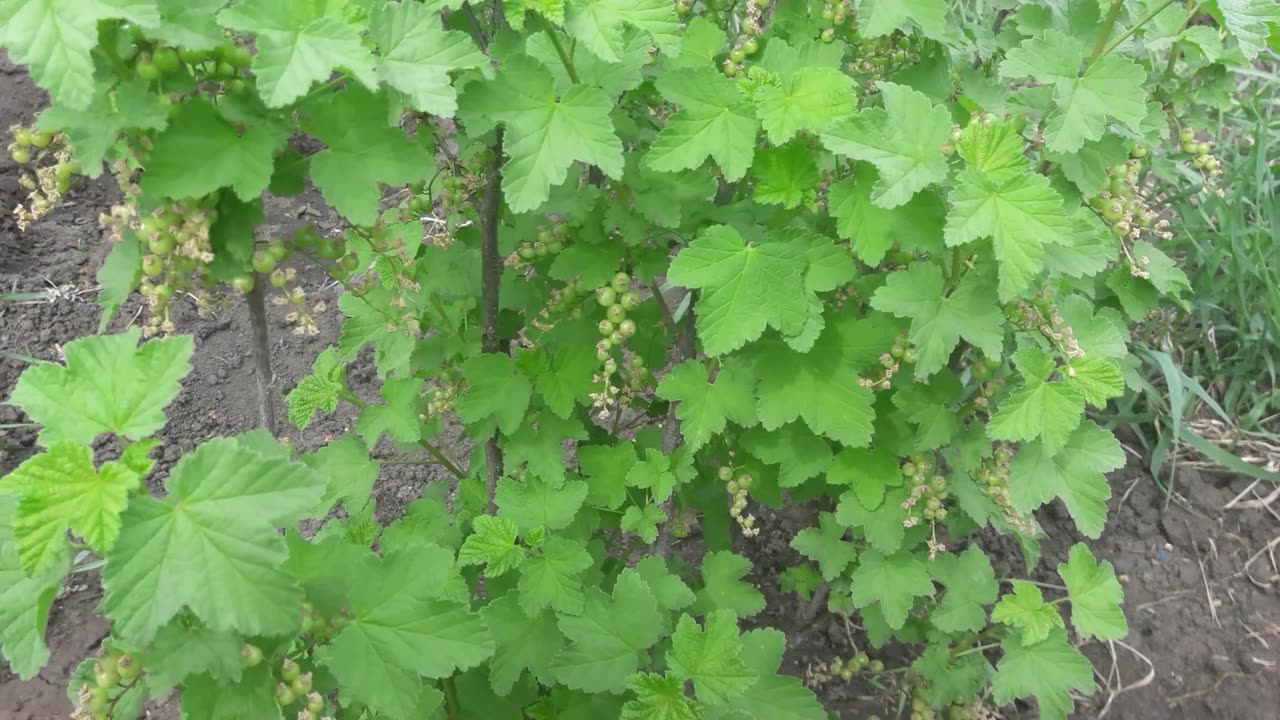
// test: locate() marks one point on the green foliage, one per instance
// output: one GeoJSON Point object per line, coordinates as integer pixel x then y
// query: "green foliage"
{"type": "Point", "coordinates": [684, 260]}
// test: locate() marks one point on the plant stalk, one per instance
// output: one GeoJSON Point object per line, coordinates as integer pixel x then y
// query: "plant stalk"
{"type": "Point", "coordinates": [262, 353]}
{"type": "Point", "coordinates": [490, 277]}
{"type": "Point", "coordinates": [565, 58]}
{"type": "Point", "coordinates": [1108, 23]}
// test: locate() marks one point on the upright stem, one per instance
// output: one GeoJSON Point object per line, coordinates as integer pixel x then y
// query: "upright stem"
{"type": "Point", "coordinates": [262, 353]}
{"type": "Point", "coordinates": [565, 58]}
{"type": "Point", "coordinates": [1108, 23]}
{"type": "Point", "coordinates": [490, 277]}
{"type": "Point", "coordinates": [1132, 29]}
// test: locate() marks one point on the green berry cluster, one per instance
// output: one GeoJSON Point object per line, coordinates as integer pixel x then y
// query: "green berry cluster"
{"type": "Point", "coordinates": [1202, 159]}
{"type": "Point", "coordinates": [993, 478]}
{"type": "Point", "coordinates": [733, 65]}
{"type": "Point", "coordinates": [617, 298]}
{"type": "Point", "coordinates": [890, 362]}
{"type": "Point", "coordinates": [845, 668]}
{"type": "Point", "coordinates": [739, 485]}
{"type": "Point", "coordinates": [151, 60]}
{"type": "Point", "coordinates": [295, 688]}
{"type": "Point", "coordinates": [550, 241]}
{"type": "Point", "coordinates": [46, 182]}
{"type": "Point", "coordinates": [1125, 204]}
{"type": "Point", "coordinates": [178, 255]}
{"type": "Point", "coordinates": [114, 672]}
{"type": "Point", "coordinates": [929, 494]}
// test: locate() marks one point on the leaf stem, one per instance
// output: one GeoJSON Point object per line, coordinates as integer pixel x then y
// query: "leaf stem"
{"type": "Point", "coordinates": [490, 279]}
{"type": "Point", "coordinates": [1108, 24]}
{"type": "Point", "coordinates": [1136, 26]}
{"type": "Point", "coordinates": [427, 445]}
{"type": "Point", "coordinates": [565, 58]}
{"type": "Point", "coordinates": [321, 88]}
{"type": "Point", "coordinates": [980, 648]}
{"type": "Point", "coordinates": [450, 698]}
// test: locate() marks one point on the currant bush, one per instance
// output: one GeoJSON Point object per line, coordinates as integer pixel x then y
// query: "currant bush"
{"type": "Point", "coordinates": [670, 266]}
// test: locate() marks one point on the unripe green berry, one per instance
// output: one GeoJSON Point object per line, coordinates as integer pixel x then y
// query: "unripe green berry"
{"type": "Point", "coordinates": [630, 300]}
{"type": "Point", "coordinates": [605, 327]}
{"type": "Point", "coordinates": [284, 696]}
{"type": "Point", "coordinates": [725, 473]}
{"type": "Point", "coordinates": [620, 282]}
{"type": "Point", "coordinates": [606, 296]}
{"type": "Point", "coordinates": [615, 313]}
{"type": "Point", "coordinates": [251, 655]}
{"type": "Point", "coordinates": [627, 327]}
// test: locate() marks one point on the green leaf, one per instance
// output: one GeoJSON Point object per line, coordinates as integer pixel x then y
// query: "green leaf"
{"type": "Point", "coordinates": [567, 379]}
{"type": "Point", "coordinates": [1075, 474]}
{"type": "Point", "coordinates": [715, 120]}
{"type": "Point", "coordinates": [929, 407]}
{"type": "Point", "coordinates": [396, 611]}
{"type": "Point", "coordinates": [903, 140]}
{"type": "Point", "coordinates": [771, 696]}
{"type": "Point", "coordinates": [551, 579]}
{"type": "Point", "coordinates": [708, 657]}
{"type": "Point", "coordinates": [417, 55]}
{"type": "Point", "coordinates": [598, 25]}
{"type": "Point", "coordinates": [398, 416]}
{"type": "Point", "coordinates": [1097, 379]}
{"type": "Point", "coordinates": [606, 639]}
{"type": "Point", "coordinates": [808, 100]}
{"type": "Point", "coordinates": [349, 170]}
{"type": "Point", "coordinates": [826, 546]}
{"type": "Point", "coordinates": [541, 448]}
{"type": "Point", "coordinates": [1048, 671]}
{"type": "Point", "coordinates": [785, 176]}
{"type": "Point", "coordinates": [516, 10]}
{"type": "Point", "coordinates": [1251, 22]}
{"type": "Point", "coordinates": [606, 468]}
{"type": "Point", "coordinates": [547, 132]}
{"type": "Point", "coordinates": [659, 697]}
{"type": "Point", "coordinates": [492, 544]}
{"type": "Point", "coordinates": [185, 647]}
{"type": "Point", "coordinates": [723, 587]}
{"type": "Point", "coordinates": [1110, 88]}
{"type": "Point", "coordinates": [801, 580]}
{"type": "Point", "coordinates": [881, 525]}
{"type": "Point", "coordinates": [971, 586]}
{"type": "Point", "coordinates": [318, 391]}
{"type": "Point", "coordinates": [498, 394]}
{"type": "Point", "coordinates": [219, 519]}
{"type": "Point", "coordinates": [669, 590]}
{"type": "Point", "coordinates": [939, 320]}
{"type": "Point", "coordinates": [25, 601]}
{"type": "Point", "coordinates": [868, 472]}
{"type": "Point", "coordinates": [1020, 213]}
{"type": "Point", "coordinates": [60, 490]}
{"type": "Point", "coordinates": [820, 386]}
{"type": "Point", "coordinates": [872, 229]}
{"type": "Point", "coordinates": [951, 679]}
{"type": "Point", "coordinates": [536, 503]}
{"type": "Point", "coordinates": [705, 407]}
{"type": "Point", "coordinates": [1159, 269]}
{"type": "Point", "coordinates": [653, 473]}
{"type": "Point", "coordinates": [206, 698]}
{"type": "Point", "coordinates": [1039, 408]}
{"type": "Point", "coordinates": [298, 43]}
{"type": "Point", "coordinates": [643, 521]}
{"type": "Point", "coordinates": [349, 473]}
{"type": "Point", "coordinates": [109, 384]}
{"type": "Point", "coordinates": [745, 288]}
{"type": "Point", "coordinates": [91, 131]}
{"type": "Point", "coordinates": [523, 643]}
{"type": "Point", "coordinates": [1026, 610]}
{"type": "Point", "coordinates": [1096, 596]}
{"type": "Point", "coordinates": [799, 453]}
{"type": "Point", "coordinates": [882, 17]}
{"type": "Point", "coordinates": [55, 38]}
{"type": "Point", "coordinates": [118, 276]}
{"type": "Point", "coordinates": [227, 158]}
{"type": "Point", "coordinates": [891, 582]}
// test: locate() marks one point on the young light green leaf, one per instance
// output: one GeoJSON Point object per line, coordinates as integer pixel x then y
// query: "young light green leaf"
{"type": "Point", "coordinates": [109, 384]}
{"type": "Point", "coordinates": [745, 288]}
{"type": "Point", "coordinates": [809, 100]}
{"type": "Point", "coordinates": [550, 579]}
{"type": "Point", "coordinates": [872, 229]}
{"type": "Point", "coordinates": [242, 161]}
{"type": "Point", "coordinates": [536, 503]}
{"type": "Point", "coordinates": [1096, 595]}
{"type": "Point", "coordinates": [892, 582]}
{"type": "Point", "coordinates": [643, 521]}
{"type": "Point", "coordinates": [606, 638]}
{"type": "Point", "coordinates": [417, 55]}
{"type": "Point", "coordinates": [599, 24]}
{"type": "Point", "coordinates": [881, 525]}
{"type": "Point", "coordinates": [60, 490]}
{"type": "Point", "coordinates": [1075, 474]}
{"type": "Point", "coordinates": [1026, 610]}
{"type": "Point", "coordinates": [219, 519]}
{"type": "Point", "coordinates": [705, 407]}
{"type": "Point", "coordinates": [771, 696]}
{"type": "Point", "coordinates": [298, 43]}
{"type": "Point", "coordinates": [1050, 410]}
{"type": "Point", "coordinates": [55, 38]}
{"type": "Point", "coordinates": [903, 140]}
{"type": "Point", "coordinates": [709, 657]}
{"type": "Point", "coordinates": [1048, 671]}
{"type": "Point", "coordinates": [318, 391]}
{"type": "Point", "coordinates": [399, 414]}
{"type": "Point", "coordinates": [548, 132]}
{"type": "Point", "coordinates": [715, 120]}
{"type": "Point", "coordinates": [1251, 22]}
{"type": "Point", "coordinates": [826, 546]}
{"type": "Point", "coordinates": [882, 17]}
{"type": "Point", "coordinates": [786, 176]}
{"type": "Point", "coordinates": [660, 697]}
{"type": "Point", "coordinates": [971, 586]}
{"type": "Point", "coordinates": [349, 170]}
{"type": "Point", "coordinates": [940, 320]}
{"type": "Point", "coordinates": [723, 587]}
{"type": "Point", "coordinates": [492, 544]}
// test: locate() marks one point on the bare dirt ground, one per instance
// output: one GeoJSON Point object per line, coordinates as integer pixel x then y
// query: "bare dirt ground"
{"type": "Point", "coordinates": [1209, 626]}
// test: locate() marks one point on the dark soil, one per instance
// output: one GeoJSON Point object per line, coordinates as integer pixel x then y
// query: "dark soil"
{"type": "Point", "coordinates": [1173, 564]}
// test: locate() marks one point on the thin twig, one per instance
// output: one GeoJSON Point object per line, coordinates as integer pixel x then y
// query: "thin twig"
{"type": "Point", "coordinates": [262, 353]}
{"type": "Point", "coordinates": [490, 277]}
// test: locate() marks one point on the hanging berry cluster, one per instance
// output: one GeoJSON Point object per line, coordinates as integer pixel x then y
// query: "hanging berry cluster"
{"type": "Point", "coordinates": [49, 158]}
{"type": "Point", "coordinates": [617, 298]}
{"type": "Point", "coordinates": [1202, 159]}
{"type": "Point", "coordinates": [114, 673]}
{"type": "Point", "coordinates": [891, 362]}
{"type": "Point", "coordinates": [739, 485]}
{"type": "Point", "coordinates": [844, 668]}
{"type": "Point", "coordinates": [993, 478]}
{"type": "Point", "coordinates": [928, 497]}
